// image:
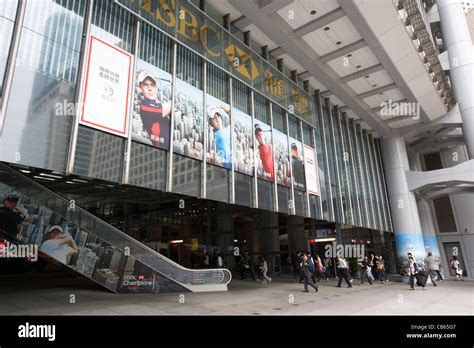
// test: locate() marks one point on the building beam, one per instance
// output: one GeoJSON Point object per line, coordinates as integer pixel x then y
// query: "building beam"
{"type": "Point", "coordinates": [276, 52]}
{"type": "Point", "coordinates": [318, 23]}
{"type": "Point", "coordinates": [304, 75]}
{"type": "Point", "coordinates": [362, 73]}
{"type": "Point", "coordinates": [326, 93]}
{"type": "Point", "coordinates": [277, 29]}
{"type": "Point", "coordinates": [241, 22]}
{"type": "Point", "coordinates": [270, 6]}
{"type": "Point", "coordinates": [343, 50]}
{"type": "Point", "coordinates": [353, 12]}
{"type": "Point", "coordinates": [377, 90]}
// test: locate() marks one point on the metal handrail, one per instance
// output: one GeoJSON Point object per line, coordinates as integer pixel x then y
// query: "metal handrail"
{"type": "Point", "coordinates": [126, 236]}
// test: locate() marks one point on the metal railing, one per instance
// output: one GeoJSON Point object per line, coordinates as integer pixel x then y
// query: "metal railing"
{"type": "Point", "coordinates": [109, 234]}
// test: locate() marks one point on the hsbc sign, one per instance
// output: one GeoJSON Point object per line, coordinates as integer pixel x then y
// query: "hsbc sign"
{"type": "Point", "coordinates": [193, 28]}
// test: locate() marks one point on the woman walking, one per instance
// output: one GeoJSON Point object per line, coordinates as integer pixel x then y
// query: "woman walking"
{"type": "Point", "coordinates": [264, 270]}
{"type": "Point", "coordinates": [457, 268]}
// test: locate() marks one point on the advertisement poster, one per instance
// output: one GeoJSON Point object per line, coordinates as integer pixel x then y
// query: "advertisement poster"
{"type": "Point", "coordinates": [243, 146]}
{"type": "Point", "coordinates": [151, 120]}
{"type": "Point", "coordinates": [311, 170]}
{"type": "Point", "coordinates": [264, 151]}
{"type": "Point", "coordinates": [282, 160]}
{"type": "Point", "coordinates": [297, 164]}
{"type": "Point", "coordinates": [59, 240]}
{"type": "Point", "coordinates": [106, 92]}
{"type": "Point", "coordinates": [188, 120]}
{"type": "Point", "coordinates": [431, 245]}
{"type": "Point", "coordinates": [410, 243]}
{"type": "Point", "coordinates": [219, 147]}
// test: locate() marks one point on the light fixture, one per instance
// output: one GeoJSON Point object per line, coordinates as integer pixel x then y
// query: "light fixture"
{"type": "Point", "coordinates": [338, 43]}
{"type": "Point", "coordinates": [313, 12]}
{"type": "Point", "coordinates": [358, 66]}
{"type": "Point", "coordinates": [326, 28]}
{"type": "Point", "coordinates": [176, 241]}
{"type": "Point", "coordinates": [316, 240]}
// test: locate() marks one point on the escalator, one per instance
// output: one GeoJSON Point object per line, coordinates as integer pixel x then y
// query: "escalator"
{"type": "Point", "coordinates": [68, 235]}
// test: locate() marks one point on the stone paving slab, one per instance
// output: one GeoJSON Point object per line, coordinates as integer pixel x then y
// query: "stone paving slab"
{"type": "Point", "coordinates": [281, 297]}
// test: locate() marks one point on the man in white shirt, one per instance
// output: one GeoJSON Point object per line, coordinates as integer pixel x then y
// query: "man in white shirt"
{"type": "Point", "coordinates": [58, 244]}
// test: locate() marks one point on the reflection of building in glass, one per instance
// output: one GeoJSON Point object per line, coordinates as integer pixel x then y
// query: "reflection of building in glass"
{"type": "Point", "coordinates": [243, 150]}
{"type": "Point", "coordinates": [51, 110]}
{"type": "Point", "coordinates": [187, 134]}
{"type": "Point", "coordinates": [282, 162]}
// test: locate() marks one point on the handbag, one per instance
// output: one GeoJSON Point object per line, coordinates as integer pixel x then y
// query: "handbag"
{"type": "Point", "coordinates": [459, 271]}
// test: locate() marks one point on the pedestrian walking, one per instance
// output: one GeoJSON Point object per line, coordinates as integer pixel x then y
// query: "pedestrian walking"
{"type": "Point", "coordinates": [307, 265]}
{"type": "Point", "coordinates": [264, 270]}
{"type": "Point", "coordinates": [456, 266]}
{"type": "Point", "coordinates": [380, 265]}
{"type": "Point", "coordinates": [366, 271]}
{"type": "Point", "coordinates": [342, 267]}
{"type": "Point", "coordinates": [412, 272]}
{"type": "Point", "coordinates": [432, 265]}
{"type": "Point", "coordinates": [373, 265]}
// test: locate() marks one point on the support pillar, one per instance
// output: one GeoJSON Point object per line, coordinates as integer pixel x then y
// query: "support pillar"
{"type": "Point", "coordinates": [270, 241]}
{"type": "Point", "coordinates": [429, 232]}
{"type": "Point", "coordinates": [457, 40]}
{"type": "Point", "coordinates": [296, 236]}
{"type": "Point", "coordinates": [406, 221]}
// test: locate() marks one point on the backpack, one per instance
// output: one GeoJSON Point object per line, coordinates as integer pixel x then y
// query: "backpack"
{"type": "Point", "coordinates": [311, 266]}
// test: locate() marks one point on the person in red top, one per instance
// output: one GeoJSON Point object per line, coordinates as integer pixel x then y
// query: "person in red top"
{"type": "Point", "coordinates": [265, 153]}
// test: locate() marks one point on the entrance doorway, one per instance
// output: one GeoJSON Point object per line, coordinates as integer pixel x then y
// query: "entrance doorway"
{"type": "Point", "coordinates": [454, 249]}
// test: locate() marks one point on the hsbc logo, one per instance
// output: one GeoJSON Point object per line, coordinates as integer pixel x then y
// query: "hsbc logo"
{"type": "Point", "coordinates": [242, 62]}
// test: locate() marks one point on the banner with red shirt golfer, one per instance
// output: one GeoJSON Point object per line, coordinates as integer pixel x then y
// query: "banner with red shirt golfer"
{"type": "Point", "coordinates": [151, 120]}
{"type": "Point", "coordinates": [264, 151]}
{"type": "Point", "coordinates": [282, 159]}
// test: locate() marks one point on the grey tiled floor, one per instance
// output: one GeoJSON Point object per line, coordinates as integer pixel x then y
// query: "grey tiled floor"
{"type": "Point", "coordinates": [50, 296]}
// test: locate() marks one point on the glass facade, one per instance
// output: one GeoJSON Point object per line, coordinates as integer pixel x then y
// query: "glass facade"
{"type": "Point", "coordinates": [349, 167]}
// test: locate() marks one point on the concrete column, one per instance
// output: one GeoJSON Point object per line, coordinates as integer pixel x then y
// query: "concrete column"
{"type": "Point", "coordinates": [296, 238]}
{"type": "Point", "coordinates": [430, 238]}
{"type": "Point", "coordinates": [406, 221]}
{"type": "Point", "coordinates": [270, 241]}
{"type": "Point", "coordinates": [457, 40]}
{"type": "Point", "coordinates": [225, 234]}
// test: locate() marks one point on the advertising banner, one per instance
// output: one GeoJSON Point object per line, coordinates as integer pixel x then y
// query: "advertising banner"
{"type": "Point", "coordinates": [297, 164]}
{"type": "Point", "coordinates": [243, 145]}
{"type": "Point", "coordinates": [410, 243]}
{"type": "Point", "coordinates": [282, 160]}
{"type": "Point", "coordinates": [188, 120]}
{"type": "Point", "coordinates": [219, 148]}
{"type": "Point", "coordinates": [105, 100]}
{"type": "Point", "coordinates": [311, 170]}
{"type": "Point", "coordinates": [264, 151]}
{"type": "Point", "coordinates": [151, 120]}
{"type": "Point", "coordinates": [51, 237]}
{"type": "Point", "coordinates": [196, 30]}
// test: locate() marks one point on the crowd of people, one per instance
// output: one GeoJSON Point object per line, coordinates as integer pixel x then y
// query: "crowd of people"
{"type": "Point", "coordinates": [309, 270]}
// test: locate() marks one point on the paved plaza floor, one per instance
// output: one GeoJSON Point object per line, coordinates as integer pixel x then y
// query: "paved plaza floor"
{"type": "Point", "coordinates": [51, 295]}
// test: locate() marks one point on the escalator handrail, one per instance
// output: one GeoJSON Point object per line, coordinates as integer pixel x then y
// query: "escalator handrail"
{"type": "Point", "coordinates": [123, 234]}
